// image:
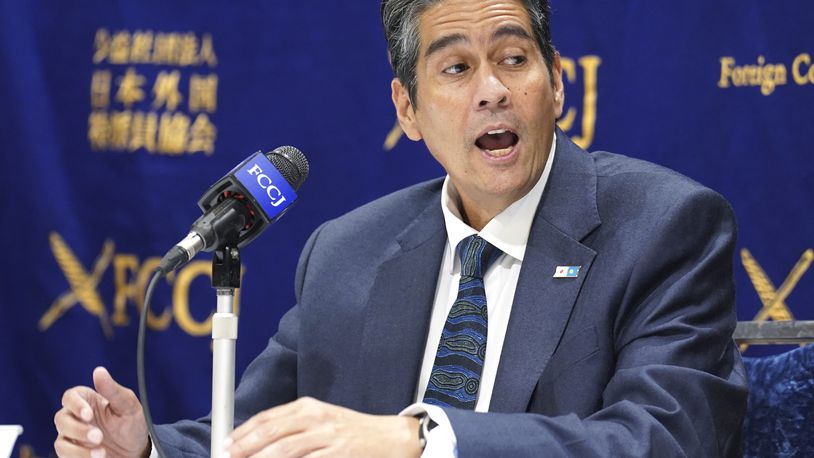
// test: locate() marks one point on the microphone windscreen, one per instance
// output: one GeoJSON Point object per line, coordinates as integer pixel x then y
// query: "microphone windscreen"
{"type": "Point", "coordinates": [291, 164]}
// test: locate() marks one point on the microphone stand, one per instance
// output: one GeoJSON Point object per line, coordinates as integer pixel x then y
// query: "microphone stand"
{"type": "Point", "coordinates": [225, 279]}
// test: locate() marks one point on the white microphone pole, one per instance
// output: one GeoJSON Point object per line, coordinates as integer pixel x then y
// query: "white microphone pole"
{"type": "Point", "coordinates": [225, 279]}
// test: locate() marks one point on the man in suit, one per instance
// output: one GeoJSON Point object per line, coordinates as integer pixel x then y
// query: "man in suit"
{"type": "Point", "coordinates": [538, 301]}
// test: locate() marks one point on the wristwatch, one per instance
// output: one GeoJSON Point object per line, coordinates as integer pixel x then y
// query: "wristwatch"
{"type": "Point", "coordinates": [425, 425]}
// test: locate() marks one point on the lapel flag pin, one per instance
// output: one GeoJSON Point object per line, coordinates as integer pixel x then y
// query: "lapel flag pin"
{"type": "Point", "coordinates": [567, 272]}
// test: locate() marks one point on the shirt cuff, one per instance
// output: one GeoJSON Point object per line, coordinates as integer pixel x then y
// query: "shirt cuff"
{"type": "Point", "coordinates": [441, 442]}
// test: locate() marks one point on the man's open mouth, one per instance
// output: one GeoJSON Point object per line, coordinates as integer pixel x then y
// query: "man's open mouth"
{"type": "Point", "coordinates": [498, 142]}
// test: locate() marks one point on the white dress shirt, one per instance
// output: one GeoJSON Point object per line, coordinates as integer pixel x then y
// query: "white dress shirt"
{"type": "Point", "coordinates": [509, 232]}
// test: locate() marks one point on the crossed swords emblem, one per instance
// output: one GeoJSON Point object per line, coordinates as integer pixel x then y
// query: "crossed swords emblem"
{"type": "Point", "coordinates": [82, 284]}
{"type": "Point", "coordinates": [774, 300]}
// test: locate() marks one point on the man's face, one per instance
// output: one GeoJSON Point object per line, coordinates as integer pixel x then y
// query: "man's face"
{"type": "Point", "coordinates": [486, 106]}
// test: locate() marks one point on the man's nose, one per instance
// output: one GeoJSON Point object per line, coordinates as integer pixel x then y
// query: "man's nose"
{"type": "Point", "coordinates": [491, 92]}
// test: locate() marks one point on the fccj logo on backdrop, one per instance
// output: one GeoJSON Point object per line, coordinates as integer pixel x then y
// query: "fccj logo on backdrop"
{"type": "Point", "coordinates": [130, 276]}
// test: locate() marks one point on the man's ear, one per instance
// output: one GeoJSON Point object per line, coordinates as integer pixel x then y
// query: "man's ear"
{"type": "Point", "coordinates": [404, 110]}
{"type": "Point", "coordinates": [557, 85]}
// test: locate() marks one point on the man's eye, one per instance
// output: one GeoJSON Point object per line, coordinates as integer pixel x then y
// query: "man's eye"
{"type": "Point", "coordinates": [456, 69]}
{"type": "Point", "coordinates": [515, 60]}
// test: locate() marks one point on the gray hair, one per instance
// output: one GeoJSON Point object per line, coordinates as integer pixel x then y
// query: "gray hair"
{"type": "Point", "coordinates": [400, 20]}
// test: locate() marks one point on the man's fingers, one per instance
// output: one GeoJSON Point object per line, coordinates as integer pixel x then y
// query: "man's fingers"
{"type": "Point", "coordinates": [66, 448]}
{"type": "Point", "coordinates": [80, 401]}
{"type": "Point", "coordinates": [261, 437]}
{"type": "Point", "coordinates": [70, 427]}
{"type": "Point", "coordinates": [248, 426]}
{"type": "Point", "coordinates": [122, 400]}
{"type": "Point", "coordinates": [272, 425]}
{"type": "Point", "coordinates": [271, 415]}
{"type": "Point", "coordinates": [296, 445]}
{"type": "Point", "coordinates": [254, 422]}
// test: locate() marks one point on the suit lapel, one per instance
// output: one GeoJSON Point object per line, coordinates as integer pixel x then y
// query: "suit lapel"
{"type": "Point", "coordinates": [398, 313]}
{"type": "Point", "coordinates": [542, 304]}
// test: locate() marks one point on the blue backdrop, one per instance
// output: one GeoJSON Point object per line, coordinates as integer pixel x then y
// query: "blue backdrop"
{"type": "Point", "coordinates": [117, 115]}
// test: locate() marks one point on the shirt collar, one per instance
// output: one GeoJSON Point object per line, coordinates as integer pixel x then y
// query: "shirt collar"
{"type": "Point", "coordinates": [509, 230]}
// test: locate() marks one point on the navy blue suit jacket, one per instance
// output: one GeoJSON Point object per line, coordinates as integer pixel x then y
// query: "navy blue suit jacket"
{"type": "Point", "coordinates": [632, 358]}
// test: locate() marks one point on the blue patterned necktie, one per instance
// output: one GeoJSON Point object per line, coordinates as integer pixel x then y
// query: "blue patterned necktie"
{"type": "Point", "coordinates": [456, 373]}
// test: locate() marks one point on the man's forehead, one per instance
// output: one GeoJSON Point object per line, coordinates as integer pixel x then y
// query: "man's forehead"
{"type": "Point", "coordinates": [462, 18]}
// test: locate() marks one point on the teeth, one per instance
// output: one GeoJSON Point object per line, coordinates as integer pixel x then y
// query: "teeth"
{"type": "Point", "coordinates": [495, 132]}
{"type": "Point", "coordinates": [499, 152]}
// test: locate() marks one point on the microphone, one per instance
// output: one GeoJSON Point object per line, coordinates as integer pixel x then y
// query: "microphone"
{"type": "Point", "coordinates": [242, 204]}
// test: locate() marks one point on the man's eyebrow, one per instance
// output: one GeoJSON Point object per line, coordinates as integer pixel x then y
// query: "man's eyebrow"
{"type": "Point", "coordinates": [443, 42]}
{"type": "Point", "coordinates": [511, 31]}
{"type": "Point", "coordinates": [448, 40]}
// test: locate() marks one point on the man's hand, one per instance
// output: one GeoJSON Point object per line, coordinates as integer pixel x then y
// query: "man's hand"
{"type": "Point", "coordinates": [107, 422]}
{"type": "Point", "coordinates": [308, 427]}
